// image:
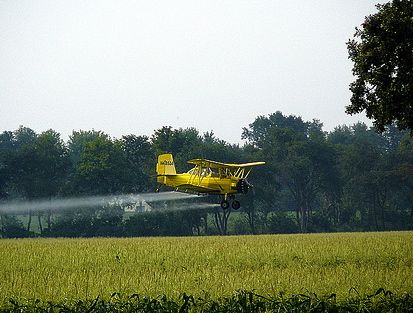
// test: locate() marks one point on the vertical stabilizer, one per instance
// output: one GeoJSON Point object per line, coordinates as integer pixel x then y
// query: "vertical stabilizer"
{"type": "Point", "coordinates": [165, 165]}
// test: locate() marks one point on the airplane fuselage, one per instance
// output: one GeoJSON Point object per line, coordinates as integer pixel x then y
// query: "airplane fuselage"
{"type": "Point", "coordinates": [207, 177]}
{"type": "Point", "coordinates": [200, 184]}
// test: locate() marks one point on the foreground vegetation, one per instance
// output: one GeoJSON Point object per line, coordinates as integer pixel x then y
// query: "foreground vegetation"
{"type": "Point", "coordinates": [344, 264]}
{"type": "Point", "coordinates": [242, 301]}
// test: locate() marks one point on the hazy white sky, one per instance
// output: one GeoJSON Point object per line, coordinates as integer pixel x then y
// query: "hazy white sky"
{"type": "Point", "coordinates": [134, 66]}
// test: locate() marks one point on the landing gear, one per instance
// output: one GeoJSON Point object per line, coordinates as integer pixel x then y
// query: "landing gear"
{"type": "Point", "coordinates": [224, 204]}
{"type": "Point", "coordinates": [236, 205]}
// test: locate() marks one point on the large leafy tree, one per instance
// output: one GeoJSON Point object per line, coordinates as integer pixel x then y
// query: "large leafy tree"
{"type": "Point", "coordinates": [102, 168]}
{"type": "Point", "coordinates": [51, 168]}
{"type": "Point", "coordinates": [372, 190]}
{"type": "Point", "coordinates": [38, 167]}
{"type": "Point", "coordinates": [405, 173]}
{"type": "Point", "coordinates": [257, 131]}
{"type": "Point", "coordinates": [52, 163]}
{"type": "Point", "coordinates": [7, 148]}
{"type": "Point", "coordinates": [304, 166]}
{"type": "Point", "coordinates": [184, 144]}
{"type": "Point", "coordinates": [139, 156]}
{"type": "Point", "coordinates": [78, 140]}
{"type": "Point", "coordinates": [216, 149]}
{"type": "Point", "coordinates": [359, 162]}
{"type": "Point", "coordinates": [22, 163]}
{"type": "Point", "coordinates": [382, 53]}
{"type": "Point", "coordinates": [299, 163]}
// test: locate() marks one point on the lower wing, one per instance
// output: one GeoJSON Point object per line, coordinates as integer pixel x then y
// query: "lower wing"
{"type": "Point", "coordinates": [197, 189]}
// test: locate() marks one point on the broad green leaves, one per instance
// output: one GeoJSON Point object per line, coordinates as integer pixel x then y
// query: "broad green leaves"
{"type": "Point", "coordinates": [382, 53]}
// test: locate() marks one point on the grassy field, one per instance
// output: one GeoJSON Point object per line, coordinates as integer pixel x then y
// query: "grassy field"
{"type": "Point", "coordinates": [55, 269]}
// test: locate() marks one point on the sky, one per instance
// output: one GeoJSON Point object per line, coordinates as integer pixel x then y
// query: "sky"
{"type": "Point", "coordinates": [130, 67]}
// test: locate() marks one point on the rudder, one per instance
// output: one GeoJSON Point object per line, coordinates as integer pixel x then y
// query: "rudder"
{"type": "Point", "coordinates": [165, 165]}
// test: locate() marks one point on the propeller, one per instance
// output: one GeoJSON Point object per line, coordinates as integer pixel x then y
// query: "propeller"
{"type": "Point", "coordinates": [243, 186]}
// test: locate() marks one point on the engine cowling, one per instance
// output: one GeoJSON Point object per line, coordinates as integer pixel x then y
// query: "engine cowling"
{"type": "Point", "coordinates": [243, 186]}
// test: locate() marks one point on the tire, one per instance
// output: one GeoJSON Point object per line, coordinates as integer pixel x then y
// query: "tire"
{"type": "Point", "coordinates": [224, 204]}
{"type": "Point", "coordinates": [236, 205]}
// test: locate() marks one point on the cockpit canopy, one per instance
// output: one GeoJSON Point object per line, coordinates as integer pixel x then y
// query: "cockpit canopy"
{"type": "Point", "coordinates": [203, 172]}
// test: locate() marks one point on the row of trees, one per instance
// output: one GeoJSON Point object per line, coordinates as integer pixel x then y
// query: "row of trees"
{"type": "Point", "coordinates": [351, 178]}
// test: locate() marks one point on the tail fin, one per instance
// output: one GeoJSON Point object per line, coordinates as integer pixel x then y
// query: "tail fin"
{"type": "Point", "coordinates": [165, 165]}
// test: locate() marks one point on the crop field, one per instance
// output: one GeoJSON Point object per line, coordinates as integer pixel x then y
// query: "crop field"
{"type": "Point", "coordinates": [345, 264]}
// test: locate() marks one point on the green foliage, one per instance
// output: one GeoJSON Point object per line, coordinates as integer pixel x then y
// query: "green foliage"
{"type": "Point", "coordinates": [349, 179]}
{"type": "Point", "coordinates": [383, 60]}
{"type": "Point", "coordinates": [297, 157]}
{"type": "Point", "coordinates": [102, 168]}
{"type": "Point", "coordinates": [186, 144]}
{"type": "Point", "coordinates": [38, 165]}
{"type": "Point", "coordinates": [258, 130]}
{"type": "Point", "coordinates": [172, 223]}
{"type": "Point", "coordinates": [241, 301]}
{"type": "Point", "coordinates": [11, 227]}
{"type": "Point", "coordinates": [78, 141]}
{"type": "Point", "coordinates": [6, 148]}
{"type": "Point", "coordinates": [138, 151]}
{"type": "Point", "coordinates": [89, 222]}
{"type": "Point", "coordinates": [282, 223]}
{"type": "Point", "coordinates": [23, 136]}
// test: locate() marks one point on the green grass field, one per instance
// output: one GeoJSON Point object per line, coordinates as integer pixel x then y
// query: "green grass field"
{"type": "Point", "coordinates": [57, 269]}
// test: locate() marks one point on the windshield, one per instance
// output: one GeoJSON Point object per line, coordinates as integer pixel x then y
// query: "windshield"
{"type": "Point", "coordinates": [200, 171]}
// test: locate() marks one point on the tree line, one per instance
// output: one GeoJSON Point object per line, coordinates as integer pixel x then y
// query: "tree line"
{"type": "Point", "coordinates": [349, 179]}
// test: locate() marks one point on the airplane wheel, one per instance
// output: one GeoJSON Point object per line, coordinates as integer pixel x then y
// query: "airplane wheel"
{"type": "Point", "coordinates": [224, 204]}
{"type": "Point", "coordinates": [236, 205]}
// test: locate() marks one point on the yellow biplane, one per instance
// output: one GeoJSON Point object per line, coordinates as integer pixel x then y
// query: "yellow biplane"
{"type": "Point", "coordinates": [207, 177]}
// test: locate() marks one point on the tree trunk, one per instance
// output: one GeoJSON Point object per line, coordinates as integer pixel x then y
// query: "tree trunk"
{"type": "Point", "coordinates": [221, 220]}
{"type": "Point", "coordinates": [251, 214]}
{"type": "Point", "coordinates": [2, 225]}
{"type": "Point", "coordinates": [39, 218]}
{"type": "Point", "coordinates": [206, 223]}
{"type": "Point", "coordinates": [376, 223]}
{"type": "Point", "coordinates": [225, 219]}
{"type": "Point", "coordinates": [411, 208]}
{"type": "Point", "coordinates": [308, 213]}
{"type": "Point", "coordinates": [252, 222]}
{"type": "Point", "coordinates": [217, 218]}
{"type": "Point", "coordinates": [251, 219]}
{"type": "Point", "coordinates": [303, 219]}
{"type": "Point", "coordinates": [297, 216]}
{"type": "Point", "coordinates": [49, 220]}
{"type": "Point", "coordinates": [29, 222]}
{"type": "Point", "coordinates": [411, 217]}
{"type": "Point", "coordinates": [382, 203]}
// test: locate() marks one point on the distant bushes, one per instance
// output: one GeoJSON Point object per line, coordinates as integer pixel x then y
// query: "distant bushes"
{"type": "Point", "coordinates": [348, 179]}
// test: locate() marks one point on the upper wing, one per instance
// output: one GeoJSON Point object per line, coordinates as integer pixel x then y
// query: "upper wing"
{"type": "Point", "coordinates": [215, 164]}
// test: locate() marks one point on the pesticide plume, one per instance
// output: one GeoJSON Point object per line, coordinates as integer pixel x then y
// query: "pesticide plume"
{"type": "Point", "coordinates": [191, 206]}
{"type": "Point", "coordinates": [64, 204]}
{"type": "Point", "coordinates": [166, 196]}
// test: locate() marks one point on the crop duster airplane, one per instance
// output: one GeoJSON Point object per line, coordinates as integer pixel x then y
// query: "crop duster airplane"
{"type": "Point", "coordinates": [207, 177]}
